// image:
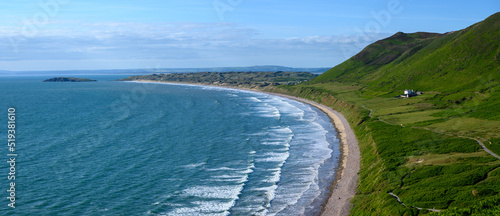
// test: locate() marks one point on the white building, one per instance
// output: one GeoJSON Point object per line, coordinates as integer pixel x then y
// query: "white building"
{"type": "Point", "coordinates": [409, 92]}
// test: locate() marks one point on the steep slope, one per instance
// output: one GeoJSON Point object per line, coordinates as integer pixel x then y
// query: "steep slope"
{"type": "Point", "coordinates": [462, 67]}
{"type": "Point", "coordinates": [393, 49]}
{"type": "Point", "coordinates": [463, 60]}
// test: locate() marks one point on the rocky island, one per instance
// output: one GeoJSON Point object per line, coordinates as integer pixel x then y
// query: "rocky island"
{"type": "Point", "coordinates": [68, 79]}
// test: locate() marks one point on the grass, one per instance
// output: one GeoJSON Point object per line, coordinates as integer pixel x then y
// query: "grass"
{"type": "Point", "coordinates": [447, 159]}
{"type": "Point", "coordinates": [425, 168]}
{"type": "Point", "coordinates": [411, 117]}
{"type": "Point", "coordinates": [489, 206]}
{"type": "Point", "coordinates": [392, 110]}
{"type": "Point", "coordinates": [493, 145]}
{"type": "Point", "coordinates": [469, 127]}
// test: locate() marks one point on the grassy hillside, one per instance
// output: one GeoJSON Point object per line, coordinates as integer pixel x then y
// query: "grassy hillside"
{"type": "Point", "coordinates": [390, 50]}
{"type": "Point", "coordinates": [463, 67]}
{"type": "Point", "coordinates": [423, 149]}
{"type": "Point", "coordinates": [427, 61]}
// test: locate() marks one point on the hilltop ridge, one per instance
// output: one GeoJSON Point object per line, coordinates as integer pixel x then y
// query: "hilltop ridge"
{"type": "Point", "coordinates": [462, 66]}
{"type": "Point", "coordinates": [427, 61]}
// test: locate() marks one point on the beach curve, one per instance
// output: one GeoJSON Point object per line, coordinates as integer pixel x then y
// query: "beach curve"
{"type": "Point", "coordinates": [344, 186]}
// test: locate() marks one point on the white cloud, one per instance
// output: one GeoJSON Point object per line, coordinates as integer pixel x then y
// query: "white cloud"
{"type": "Point", "coordinates": [184, 42]}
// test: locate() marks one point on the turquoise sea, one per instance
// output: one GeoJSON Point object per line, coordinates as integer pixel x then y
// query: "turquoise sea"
{"type": "Point", "coordinates": [124, 148]}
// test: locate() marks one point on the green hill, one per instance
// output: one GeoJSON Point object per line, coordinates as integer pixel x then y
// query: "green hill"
{"type": "Point", "coordinates": [427, 61]}
{"type": "Point", "coordinates": [425, 149]}
{"type": "Point", "coordinates": [463, 66]}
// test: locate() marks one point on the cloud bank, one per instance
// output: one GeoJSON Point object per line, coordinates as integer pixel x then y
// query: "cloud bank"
{"type": "Point", "coordinates": [131, 44]}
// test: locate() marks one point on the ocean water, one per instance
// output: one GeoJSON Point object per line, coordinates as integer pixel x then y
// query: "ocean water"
{"type": "Point", "coordinates": [124, 148]}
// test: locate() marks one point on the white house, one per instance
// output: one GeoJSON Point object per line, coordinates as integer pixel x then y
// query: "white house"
{"type": "Point", "coordinates": [410, 93]}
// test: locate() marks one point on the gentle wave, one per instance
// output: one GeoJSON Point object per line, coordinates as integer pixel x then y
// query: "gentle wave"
{"type": "Point", "coordinates": [182, 150]}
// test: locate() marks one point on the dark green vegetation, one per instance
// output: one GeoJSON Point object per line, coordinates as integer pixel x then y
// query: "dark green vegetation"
{"type": "Point", "coordinates": [238, 79]}
{"type": "Point", "coordinates": [68, 79]}
{"type": "Point", "coordinates": [421, 148]}
{"type": "Point", "coordinates": [493, 145]}
{"type": "Point", "coordinates": [486, 207]}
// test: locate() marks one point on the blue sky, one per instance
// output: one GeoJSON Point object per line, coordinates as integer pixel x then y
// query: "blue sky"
{"type": "Point", "coordinates": [91, 34]}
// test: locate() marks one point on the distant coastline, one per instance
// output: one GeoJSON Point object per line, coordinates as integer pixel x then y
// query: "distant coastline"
{"type": "Point", "coordinates": [147, 71]}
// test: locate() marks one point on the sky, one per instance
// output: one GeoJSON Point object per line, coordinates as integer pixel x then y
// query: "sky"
{"type": "Point", "coordinates": [131, 34]}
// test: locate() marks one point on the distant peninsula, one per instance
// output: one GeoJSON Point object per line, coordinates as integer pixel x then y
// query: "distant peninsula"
{"type": "Point", "coordinates": [231, 79]}
{"type": "Point", "coordinates": [68, 79]}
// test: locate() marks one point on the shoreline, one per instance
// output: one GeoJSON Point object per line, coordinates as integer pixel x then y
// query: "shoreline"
{"type": "Point", "coordinates": [344, 184]}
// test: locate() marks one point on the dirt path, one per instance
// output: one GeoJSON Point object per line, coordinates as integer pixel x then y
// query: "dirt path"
{"type": "Point", "coordinates": [484, 148]}
{"type": "Point", "coordinates": [400, 202]}
{"type": "Point", "coordinates": [380, 119]}
{"type": "Point", "coordinates": [371, 111]}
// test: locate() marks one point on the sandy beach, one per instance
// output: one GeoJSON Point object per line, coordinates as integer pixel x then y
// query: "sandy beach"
{"type": "Point", "coordinates": [344, 186]}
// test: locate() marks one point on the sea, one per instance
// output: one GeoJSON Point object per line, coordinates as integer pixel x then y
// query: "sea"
{"type": "Point", "coordinates": [128, 148]}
